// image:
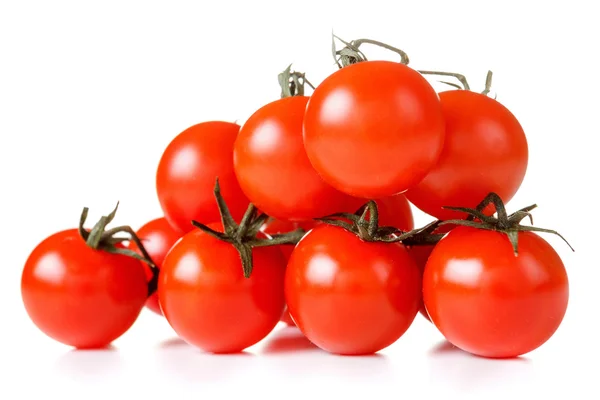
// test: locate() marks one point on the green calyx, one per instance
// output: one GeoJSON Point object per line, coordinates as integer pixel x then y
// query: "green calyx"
{"type": "Point", "coordinates": [243, 236]}
{"type": "Point", "coordinates": [365, 224]}
{"type": "Point", "coordinates": [464, 85]}
{"type": "Point", "coordinates": [98, 238]}
{"type": "Point", "coordinates": [292, 82]}
{"type": "Point", "coordinates": [510, 225]}
{"type": "Point", "coordinates": [351, 53]}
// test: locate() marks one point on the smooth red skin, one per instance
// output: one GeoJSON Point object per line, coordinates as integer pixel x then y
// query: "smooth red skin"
{"type": "Point", "coordinates": [273, 169]}
{"type": "Point", "coordinates": [187, 171]}
{"type": "Point", "coordinates": [374, 129]}
{"type": "Point", "coordinates": [393, 211]}
{"type": "Point", "coordinates": [275, 226]}
{"type": "Point", "coordinates": [208, 302]}
{"type": "Point", "coordinates": [157, 237]}
{"type": "Point", "coordinates": [485, 151]}
{"type": "Point", "coordinates": [351, 297]}
{"type": "Point", "coordinates": [420, 254]}
{"type": "Point", "coordinates": [489, 302]}
{"type": "Point", "coordinates": [81, 297]}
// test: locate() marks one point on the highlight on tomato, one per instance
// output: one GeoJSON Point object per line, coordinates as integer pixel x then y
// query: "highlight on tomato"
{"type": "Point", "coordinates": [221, 285]}
{"type": "Point", "coordinates": [492, 286]}
{"type": "Point", "coordinates": [83, 288]}
{"type": "Point", "coordinates": [351, 286]}
{"type": "Point", "coordinates": [158, 236]}
{"type": "Point", "coordinates": [485, 150]}
{"type": "Point", "coordinates": [187, 171]}
{"type": "Point", "coordinates": [373, 129]}
{"type": "Point", "coordinates": [271, 164]}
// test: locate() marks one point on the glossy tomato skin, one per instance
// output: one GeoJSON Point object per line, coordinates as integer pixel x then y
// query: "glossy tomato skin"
{"type": "Point", "coordinates": [485, 151]}
{"type": "Point", "coordinates": [276, 226]}
{"type": "Point", "coordinates": [81, 297]}
{"type": "Point", "coordinates": [207, 300]}
{"type": "Point", "coordinates": [187, 172]}
{"type": "Point", "coordinates": [393, 211]}
{"type": "Point", "coordinates": [351, 297]}
{"type": "Point", "coordinates": [489, 302]}
{"type": "Point", "coordinates": [157, 236]}
{"type": "Point", "coordinates": [272, 166]}
{"type": "Point", "coordinates": [374, 129]}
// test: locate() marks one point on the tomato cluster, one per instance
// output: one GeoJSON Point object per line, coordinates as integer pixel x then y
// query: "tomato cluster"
{"type": "Point", "coordinates": [303, 215]}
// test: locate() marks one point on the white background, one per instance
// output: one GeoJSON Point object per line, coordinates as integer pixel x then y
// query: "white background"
{"type": "Point", "coordinates": [92, 92]}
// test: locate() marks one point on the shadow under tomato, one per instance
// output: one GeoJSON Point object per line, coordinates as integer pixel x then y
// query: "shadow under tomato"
{"type": "Point", "coordinates": [288, 340]}
{"type": "Point", "coordinates": [90, 363]}
{"type": "Point", "coordinates": [173, 342]}
{"type": "Point", "coordinates": [452, 366]}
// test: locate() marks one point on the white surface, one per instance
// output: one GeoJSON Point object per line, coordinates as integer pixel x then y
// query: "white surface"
{"type": "Point", "coordinates": [121, 79]}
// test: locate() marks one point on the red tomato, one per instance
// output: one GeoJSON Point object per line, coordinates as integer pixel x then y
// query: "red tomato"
{"type": "Point", "coordinates": [489, 302]}
{"type": "Point", "coordinates": [374, 129]}
{"type": "Point", "coordinates": [349, 296]}
{"type": "Point", "coordinates": [484, 151]}
{"type": "Point", "coordinates": [275, 226]}
{"type": "Point", "coordinates": [273, 169]}
{"type": "Point", "coordinates": [393, 211]}
{"type": "Point", "coordinates": [187, 172]}
{"type": "Point", "coordinates": [79, 296]}
{"type": "Point", "coordinates": [207, 300]}
{"type": "Point", "coordinates": [157, 237]}
{"type": "Point", "coordinates": [420, 254]}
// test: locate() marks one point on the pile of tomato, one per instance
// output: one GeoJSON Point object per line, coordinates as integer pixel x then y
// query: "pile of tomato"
{"type": "Point", "coordinates": [303, 215]}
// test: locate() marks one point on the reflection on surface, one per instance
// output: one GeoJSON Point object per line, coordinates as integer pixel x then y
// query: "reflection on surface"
{"type": "Point", "coordinates": [90, 364]}
{"type": "Point", "coordinates": [288, 340]}
{"type": "Point", "coordinates": [451, 366]}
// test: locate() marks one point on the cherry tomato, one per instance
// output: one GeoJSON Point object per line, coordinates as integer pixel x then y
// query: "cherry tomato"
{"type": "Point", "coordinates": [420, 254]}
{"type": "Point", "coordinates": [393, 211]}
{"type": "Point", "coordinates": [275, 226]}
{"type": "Point", "coordinates": [489, 302]}
{"type": "Point", "coordinates": [273, 169]}
{"type": "Point", "coordinates": [157, 237]}
{"type": "Point", "coordinates": [187, 172]}
{"type": "Point", "coordinates": [208, 301]}
{"type": "Point", "coordinates": [349, 296]}
{"type": "Point", "coordinates": [484, 151]}
{"type": "Point", "coordinates": [79, 296]}
{"type": "Point", "coordinates": [374, 129]}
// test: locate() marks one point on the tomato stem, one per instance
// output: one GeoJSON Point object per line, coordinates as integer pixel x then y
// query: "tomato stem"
{"type": "Point", "coordinates": [510, 225]}
{"type": "Point", "coordinates": [292, 83]}
{"type": "Point", "coordinates": [244, 236]}
{"type": "Point", "coordinates": [351, 53]}
{"type": "Point", "coordinates": [98, 238]}
{"type": "Point", "coordinates": [460, 77]}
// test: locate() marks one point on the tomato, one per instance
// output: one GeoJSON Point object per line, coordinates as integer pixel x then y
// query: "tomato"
{"type": "Point", "coordinates": [208, 301]}
{"type": "Point", "coordinates": [79, 296]}
{"type": "Point", "coordinates": [187, 172]}
{"type": "Point", "coordinates": [420, 254]}
{"type": "Point", "coordinates": [374, 129]}
{"type": "Point", "coordinates": [157, 237]}
{"type": "Point", "coordinates": [272, 166]}
{"type": "Point", "coordinates": [275, 226]}
{"type": "Point", "coordinates": [486, 300]}
{"type": "Point", "coordinates": [393, 211]}
{"type": "Point", "coordinates": [484, 151]}
{"type": "Point", "coordinates": [349, 296]}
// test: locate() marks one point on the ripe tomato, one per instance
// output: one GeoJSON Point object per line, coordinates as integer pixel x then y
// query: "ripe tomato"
{"type": "Point", "coordinates": [208, 301]}
{"type": "Point", "coordinates": [79, 296]}
{"type": "Point", "coordinates": [393, 211]}
{"type": "Point", "coordinates": [373, 129]}
{"type": "Point", "coordinates": [489, 302]}
{"type": "Point", "coordinates": [187, 171]}
{"type": "Point", "coordinates": [272, 167]}
{"type": "Point", "coordinates": [275, 226]}
{"type": "Point", "coordinates": [157, 237]}
{"type": "Point", "coordinates": [349, 296]}
{"type": "Point", "coordinates": [420, 254]}
{"type": "Point", "coordinates": [484, 151]}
